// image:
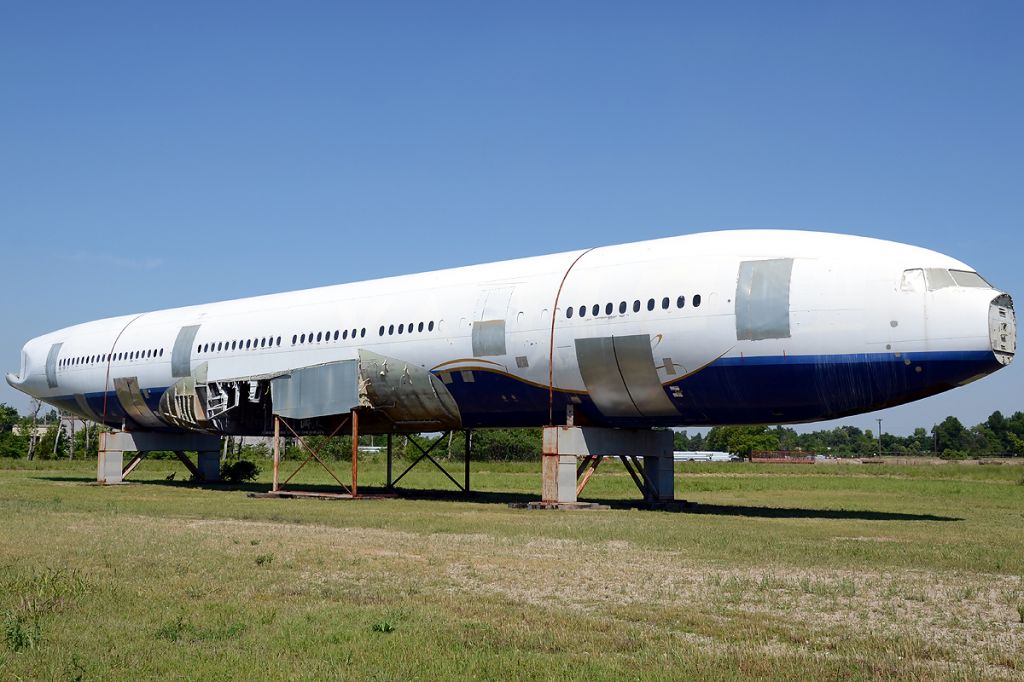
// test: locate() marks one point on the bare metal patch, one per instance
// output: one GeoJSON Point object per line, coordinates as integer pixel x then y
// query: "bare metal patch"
{"type": "Point", "coordinates": [51, 365]}
{"type": "Point", "coordinates": [316, 391]}
{"type": "Point", "coordinates": [762, 299]}
{"type": "Point", "coordinates": [488, 338]}
{"type": "Point", "coordinates": [621, 378]}
{"type": "Point", "coordinates": [181, 354]}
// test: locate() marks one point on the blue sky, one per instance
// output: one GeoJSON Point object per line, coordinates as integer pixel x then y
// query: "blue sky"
{"type": "Point", "coordinates": [160, 155]}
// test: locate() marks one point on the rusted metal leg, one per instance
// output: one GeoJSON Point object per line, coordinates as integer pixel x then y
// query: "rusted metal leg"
{"type": "Point", "coordinates": [391, 485]}
{"type": "Point", "coordinates": [591, 467]}
{"type": "Point", "coordinates": [469, 447]}
{"type": "Point", "coordinates": [136, 460]}
{"type": "Point", "coordinates": [355, 453]}
{"type": "Point", "coordinates": [277, 451]}
{"type": "Point", "coordinates": [188, 464]}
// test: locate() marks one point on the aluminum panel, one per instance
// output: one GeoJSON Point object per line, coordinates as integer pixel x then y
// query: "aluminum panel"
{"type": "Point", "coordinates": [601, 376]}
{"type": "Point", "coordinates": [488, 338]}
{"type": "Point", "coordinates": [181, 355]}
{"type": "Point", "coordinates": [762, 299]}
{"type": "Point", "coordinates": [134, 405]}
{"type": "Point", "coordinates": [51, 365]}
{"type": "Point", "coordinates": [319, 391]}
{"type": "Point", "coordinates": [636, 365]}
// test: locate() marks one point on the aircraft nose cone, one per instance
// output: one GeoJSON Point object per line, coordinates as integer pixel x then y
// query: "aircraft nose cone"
{"type": "Point", "coordinates": [1002, 328]}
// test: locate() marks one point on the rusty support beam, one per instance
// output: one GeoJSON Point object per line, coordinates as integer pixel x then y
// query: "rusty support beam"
{"type": "Point", "coordinates": [425, 454]}
{"type": "Point", "coordinates": [390, 451]}
{"type": "Point", "coordinates": [355, 453]}
{"type": "Point", "coordinates": [469, 448]}
{"type": "Point", "coordinates": [277, 451]}
{"type": "Point", "coordinates": [188, 464]}
{"type": "Point", "coordinates": [595, 461]}
{"type": "Point", "coordinates": [315, 454]}
{"type": "Point", "coordinates": [136, 460]}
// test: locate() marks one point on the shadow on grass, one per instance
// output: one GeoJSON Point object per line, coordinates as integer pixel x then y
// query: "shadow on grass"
{"type": "Point", "coordinates": [506, 498]}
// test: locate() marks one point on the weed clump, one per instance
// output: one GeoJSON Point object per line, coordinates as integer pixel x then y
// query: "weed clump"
{"type": "Point", "coordinates": [239, 472]}
{"type": "Point", "coordinates": [383, 626]}
{"type": "Point", "coordinates": [264, 559]}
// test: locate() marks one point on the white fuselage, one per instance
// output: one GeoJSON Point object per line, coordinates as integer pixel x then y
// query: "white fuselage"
{"type": "Point", "coordinates": [501, 339]}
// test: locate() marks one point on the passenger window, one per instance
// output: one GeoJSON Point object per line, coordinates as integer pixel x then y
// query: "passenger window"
{"type": "Point", "coordinates": [622, 308]}
{"type": "Point", "coordinates": [419, 327]}
{"type": "Point", "coordinates": [569, 312]}
{"type": "Point", "coordinates": [681, 301]}
{"type": "Point", "coordinates": [362, 332]}
{"type": "Point", "coordinates": [381, 330]}
{"type": "Point", "coordinates": [664, 303]}
{"type": "Point", "coordinates": [583, 311]}
{"type": "Point", "coordinates": [696, 300]}
{"type": "Point", "coordinates": [319, 336]}
{"type": "Point", "coordinates": [650, 304]}
{"type": "Point", "coordinates": [608, 309]}
{"type": "Point", "coordinates": [636, 306]}
{"type": "Point", "coordinates": [430, 326]}
{"type": "Point", "coordinates": [391, 329]}
{"type": "Point", "coordinates": [401, 327]}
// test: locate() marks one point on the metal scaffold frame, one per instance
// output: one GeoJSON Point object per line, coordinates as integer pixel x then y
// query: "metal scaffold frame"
{"type": "Point", "coordinates": [425, 454]}
{"type": "Point", "coordinates": [351, 491]}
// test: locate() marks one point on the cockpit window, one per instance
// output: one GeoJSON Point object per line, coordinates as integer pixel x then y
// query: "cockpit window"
{"type": "Point", "coordinates": [965, 278]}
{"type": "Point", "coordinates": [938, 279]}
{"type": "Point", "coordinates": [918, 279]}
{"type": "Point", "coordinates": [913, 280]}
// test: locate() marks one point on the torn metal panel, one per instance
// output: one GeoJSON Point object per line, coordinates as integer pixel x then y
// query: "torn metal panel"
{"type": "Point", "coordinates": [762, 299]}
{"type": "Point", "coordinates": [318, 391]}
{"type": "Point", "coordinates": [601, 376]}
{"type": "Point", "coordinates": [181, 354]}
{"type": "Point", "coordinates": [406, 393]}
{"type": "Point", "coordinates": [488, 338]}
{"type": "Point", "coordinates": [130, 396]}
{"type": "Point", "coordinates": [51, 365]}
{"type": "Point", "coordinates": [180, 405]}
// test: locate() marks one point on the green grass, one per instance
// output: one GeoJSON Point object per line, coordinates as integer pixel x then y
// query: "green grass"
{"type": "Point", "coordinates": [809, 572]}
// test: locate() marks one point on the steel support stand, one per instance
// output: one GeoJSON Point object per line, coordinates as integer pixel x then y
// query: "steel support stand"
{"type": "Point", "coordinates": [425, 454]}
{"type": "Point", "coordinates": [469, 446]}
{"type": "Point", "coordinates": [277, 452]}
{"type": "Point", "coordinates": [355, 453]}
{"type": "Point", "coordinates": [390, 485]}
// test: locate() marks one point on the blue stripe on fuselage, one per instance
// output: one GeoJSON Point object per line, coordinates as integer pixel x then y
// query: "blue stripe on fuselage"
{"type": "Point", "coordinates": [734, 390]}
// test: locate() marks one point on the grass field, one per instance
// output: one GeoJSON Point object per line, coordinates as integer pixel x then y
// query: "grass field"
{"type": "Point", "coordinates": [788, 572]}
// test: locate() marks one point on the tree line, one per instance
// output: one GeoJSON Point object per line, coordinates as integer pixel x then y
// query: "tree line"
{"type": "Point", "coordinates": [998, 435]}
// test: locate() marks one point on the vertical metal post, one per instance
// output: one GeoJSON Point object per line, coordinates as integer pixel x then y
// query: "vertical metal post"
{"type": "Point", "coordinates": [469, 445]}
{"type": "Point", "coordinates": [390, 486]}
{"type": "Point", "coordinates": [355, 453]}
{"type": "Point", "coordinates": [277, 449]}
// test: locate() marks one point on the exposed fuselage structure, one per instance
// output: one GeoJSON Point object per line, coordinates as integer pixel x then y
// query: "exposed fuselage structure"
{"type": "Point", "coordinates": [729, 327]}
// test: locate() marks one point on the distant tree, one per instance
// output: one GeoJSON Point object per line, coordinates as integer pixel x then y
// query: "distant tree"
{"type": "Point", "coordinates": [950, 434]}
{"type": "Point", "coordinates": [742, 440]}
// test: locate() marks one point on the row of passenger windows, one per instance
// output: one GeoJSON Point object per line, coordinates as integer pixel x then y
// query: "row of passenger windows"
{"type": "Point", "coordinates": [406, 328]}
{"type": "Point", "coordinates": [112, 357]}
{"type": "Point", "coordinates": [240, 344]}
{"type": "Point", "coordinates": [609, 308]}
{"type": "Point", "coordinates": [322, 337]}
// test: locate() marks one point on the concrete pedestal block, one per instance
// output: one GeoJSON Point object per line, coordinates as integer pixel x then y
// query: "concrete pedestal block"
{"type": "Point", "coordinates": [564, 444]}
{"type": "Point", "coordinates": [209, 465]}
{"type": "Point", "coordinates": [109, 466]}
{"type": "Point", "coordinates": [662, 475]}
{"type": "Point", "coordinates": [559, 478]}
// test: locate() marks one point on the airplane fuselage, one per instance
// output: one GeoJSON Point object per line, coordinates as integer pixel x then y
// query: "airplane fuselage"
{"type": "Point", "coordinates": [713, 328]}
